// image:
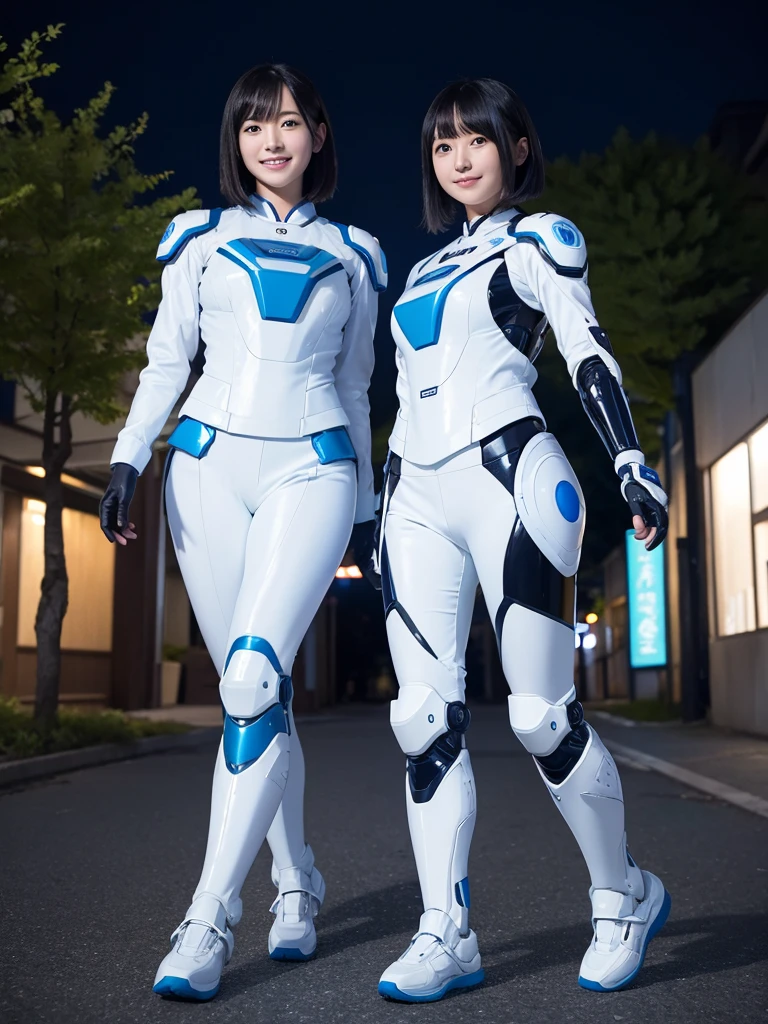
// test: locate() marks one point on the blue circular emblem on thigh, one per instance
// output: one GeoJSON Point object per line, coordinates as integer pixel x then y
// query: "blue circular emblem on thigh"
{"type": "Point", "coordinates": [566, 233]}
{"type": "Point", "coordinates": [567, 501]}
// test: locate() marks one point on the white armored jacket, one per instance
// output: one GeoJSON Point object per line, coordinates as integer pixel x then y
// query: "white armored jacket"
{"type": "Point", "coordinates": [287, 311]}
{"type": "Point", "coordinates": [471, 322]}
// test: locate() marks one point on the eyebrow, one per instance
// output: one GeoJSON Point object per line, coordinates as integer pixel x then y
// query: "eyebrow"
{"type": "Point", "coordinates": [282, 113]}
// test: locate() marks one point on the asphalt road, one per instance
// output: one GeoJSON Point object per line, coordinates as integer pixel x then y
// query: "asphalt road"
{"type": "Point", "coordinates": [97, 868]}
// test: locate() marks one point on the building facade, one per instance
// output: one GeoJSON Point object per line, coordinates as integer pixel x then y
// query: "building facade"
{"type": "Point", "coordinates": [730, 409]}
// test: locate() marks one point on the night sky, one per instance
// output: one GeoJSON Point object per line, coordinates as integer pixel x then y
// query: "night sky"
{"type": "Point", "coordinates": [666, 69]}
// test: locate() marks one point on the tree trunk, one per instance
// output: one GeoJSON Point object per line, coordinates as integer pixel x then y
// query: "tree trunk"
{"type": "Point", "coordinates": [54, 596]}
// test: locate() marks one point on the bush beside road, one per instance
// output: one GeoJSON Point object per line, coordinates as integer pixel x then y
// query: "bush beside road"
{"type": "Point", "coordinates": [20, 737]}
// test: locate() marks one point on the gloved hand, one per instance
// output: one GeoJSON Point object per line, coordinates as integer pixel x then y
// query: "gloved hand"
{"type": "Point", "coordinates": [645, 496]}
{"type": "Point", "coordinates": [362, 544]}
{"type": "Point", "coordinates": [114, 506]}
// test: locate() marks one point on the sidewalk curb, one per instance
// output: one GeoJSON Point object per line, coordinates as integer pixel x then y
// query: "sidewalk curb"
{"type": "Point", "coordinates": [720, 790]}
{"type": "Point", "coordinates": [31, 768]}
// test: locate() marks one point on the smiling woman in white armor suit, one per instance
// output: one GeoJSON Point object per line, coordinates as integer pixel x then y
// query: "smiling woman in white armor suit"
{"type": "Point", "coordinates": [268, 471]}
{"type": "Point", "coordinates": [477, 490]}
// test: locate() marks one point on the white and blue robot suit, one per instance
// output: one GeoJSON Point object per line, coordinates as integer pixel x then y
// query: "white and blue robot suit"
{"type": "Point", "coordinates": [478, 490]}
{"type": "Point", "coordinates": [269, 468]}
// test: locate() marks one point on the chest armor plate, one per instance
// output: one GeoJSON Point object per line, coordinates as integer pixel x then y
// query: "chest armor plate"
{"type": "Point", "coordinates": [476, 274]}
{"type": "Point", "coordinates": [284, 296]}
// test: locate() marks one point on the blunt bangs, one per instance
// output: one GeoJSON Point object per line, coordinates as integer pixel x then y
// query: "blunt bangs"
{"type": "Point", "coordinates": [493, 110]}
{"type": "Point", "coordinates": [256, 96]}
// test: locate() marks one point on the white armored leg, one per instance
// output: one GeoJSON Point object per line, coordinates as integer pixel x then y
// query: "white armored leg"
{"type": "Point", "coordinates": [629, 906]}
{"type": "Point", "coordinates": [286, 833]}
{"type": "Point", "coordinates": [428, 586]}
{"type": "Point", "coordinates": [440, 796]}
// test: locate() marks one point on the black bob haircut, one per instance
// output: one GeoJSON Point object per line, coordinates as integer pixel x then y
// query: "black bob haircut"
{"type": "Point", "coordinates": [256, 96]}
{"type": "Point", "coordinates": [493, 110]}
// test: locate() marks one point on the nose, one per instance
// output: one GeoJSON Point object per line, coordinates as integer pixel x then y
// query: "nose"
{"type": "Point", "coordinates": [462, 161]}
{"type": "Point", "coordinates": [273, 141]}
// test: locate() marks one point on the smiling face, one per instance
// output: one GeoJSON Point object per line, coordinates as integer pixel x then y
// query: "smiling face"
{"type": "Point", "coordinates": [469, 169]}
{"type": "Point", "coordinates": [278, 151]}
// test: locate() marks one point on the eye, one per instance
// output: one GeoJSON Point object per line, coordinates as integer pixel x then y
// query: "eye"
{"type": "Point", "coordinates": [442, 147]}
{"type": "Point", "coordinates": [252, 129]}
{"type": "Point", "coordinates": [479, 141]}
{"type": "Point", "coordinates": [290, 123]}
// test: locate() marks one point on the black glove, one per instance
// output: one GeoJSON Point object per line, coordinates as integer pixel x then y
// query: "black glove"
{"type": "Point", "coordinates": [645, 496]}
{"type": "Point", "coordinates": [114, 506]}
{"type": "Point", "coordinates": [362, 545]}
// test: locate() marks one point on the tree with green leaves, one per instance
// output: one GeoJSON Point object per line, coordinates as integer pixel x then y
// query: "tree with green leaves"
{"type": "Point", "coordinates": [77, 238]}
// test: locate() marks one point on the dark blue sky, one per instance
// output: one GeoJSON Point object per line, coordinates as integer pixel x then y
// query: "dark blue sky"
{"type": "Point", "coordinates": [583, 70]}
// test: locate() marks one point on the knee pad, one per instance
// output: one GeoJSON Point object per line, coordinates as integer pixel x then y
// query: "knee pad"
{"type": "Point", "coordinates": [256, 695]}
{"type": "Point", "coordinates": [420, 715]}
{"type": "Point", "coordinates": [253, 679]}
{"type": "Point", "coordinates": [541, 725]}
{"type": "Point", "coordinates": [430, 731]}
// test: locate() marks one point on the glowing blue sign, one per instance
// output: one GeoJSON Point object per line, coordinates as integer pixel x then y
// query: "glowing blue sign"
{"type": "Point", "coordinates": [647, 604]}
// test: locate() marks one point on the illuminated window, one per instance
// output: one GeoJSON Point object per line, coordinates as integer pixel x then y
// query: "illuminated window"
{"type": "Point", "coordinates": [761, 571]}
{"type": "Point", "coordinates": [758, 463]}
{"type": "Point", "coordinates": [732, 530]}
{"type": "Point", "coordinates": [87, 624]}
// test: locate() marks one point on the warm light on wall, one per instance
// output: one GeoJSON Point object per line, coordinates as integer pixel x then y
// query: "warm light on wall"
{"type": "Point", "coordinates": [70, 481]}
{"type": "Point", "coordinates": [348, 572]}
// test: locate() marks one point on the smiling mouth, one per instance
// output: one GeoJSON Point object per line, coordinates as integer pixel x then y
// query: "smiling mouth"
{"type": "Point", "coordinates": [279, 161]}
{"type": "Point", "coordinates": [466, 182]}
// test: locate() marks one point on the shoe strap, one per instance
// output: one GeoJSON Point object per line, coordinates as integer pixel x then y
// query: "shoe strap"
{"type": "Point", "coordinates": [295, 880]}
{"type": "Point", "coordinates": [314, 904]}
{"type": "Point", "coordinates": [441, 925]}
{"type": "Point", "coordinates": [608, 905]}
{"type": "Point", "coordinates": [198, 920]}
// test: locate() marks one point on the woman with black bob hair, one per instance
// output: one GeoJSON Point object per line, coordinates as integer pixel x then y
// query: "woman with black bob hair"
{"type": "Point", "coordinates": [477, 490]}
{"type": "Point", "coordinates": [268, 470]}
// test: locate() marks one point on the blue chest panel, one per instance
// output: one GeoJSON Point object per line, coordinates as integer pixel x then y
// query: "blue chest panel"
{"type": "Point", "coordinates": [281, 293]}
{"type": "Point", "coordinates": [420, 319]}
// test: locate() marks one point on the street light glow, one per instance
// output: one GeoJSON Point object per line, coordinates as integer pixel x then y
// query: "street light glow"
{"type": "Point", "coordinates": [592, 618]}
{"type": "Point", "coordinates": [348, 572]}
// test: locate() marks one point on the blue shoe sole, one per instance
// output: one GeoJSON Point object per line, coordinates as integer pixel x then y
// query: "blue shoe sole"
{"type": "Point", "coordinates": [289, 953]}
{"type": "Point", "coordinates": [389, 990]}
{"type": "Point", "coordinates": [654, 930]}
{"type": "Point", "coordinates": [180, 987]}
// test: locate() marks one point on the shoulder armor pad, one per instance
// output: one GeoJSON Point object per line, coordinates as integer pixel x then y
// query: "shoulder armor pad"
{"type": "Point", "coordinates": [182, 229]}
{"type": "Point", "coordinates": [369, 250]}
{"type": "Point", "coordinates": [558, 240]}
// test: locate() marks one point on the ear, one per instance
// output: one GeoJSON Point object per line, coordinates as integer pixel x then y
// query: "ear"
{"type": "Point", "coordinates": [319, 139]}
{"type": "Point", "coordinates": [522, 149]}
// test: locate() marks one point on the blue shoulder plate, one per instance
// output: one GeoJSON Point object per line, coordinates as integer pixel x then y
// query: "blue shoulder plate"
{"type": "Point", "coordinates": [214, 216]}
{"type": "Point", "coordinates": [365, 255]}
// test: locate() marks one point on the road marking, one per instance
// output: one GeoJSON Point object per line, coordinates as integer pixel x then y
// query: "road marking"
{"type": "Point", "coordinates": [721, 790]}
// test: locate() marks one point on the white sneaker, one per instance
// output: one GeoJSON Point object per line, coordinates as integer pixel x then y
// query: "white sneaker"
{"type": "Point", "coordinates": [301, 892]}
{"type": "Point", "coordinates": [438, 959]}
{"type": "Point", "coordinates": [623, 928]}
{"type": "Point", "coordinates": [202, 945]}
